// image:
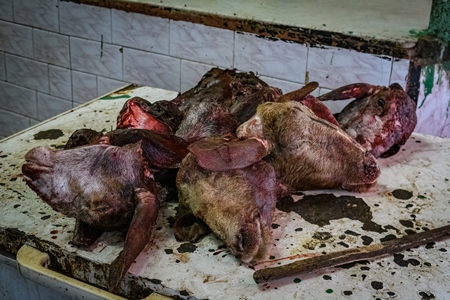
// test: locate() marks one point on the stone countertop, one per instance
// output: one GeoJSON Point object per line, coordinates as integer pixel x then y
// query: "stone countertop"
{"type": "Point", "coordinates": [381, 27]}
{"type": "Point", "coordinates": [412, 195]}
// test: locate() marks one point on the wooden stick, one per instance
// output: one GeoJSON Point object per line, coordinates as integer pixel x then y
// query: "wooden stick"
{"type": "Point", "coordinates": [351, 255]}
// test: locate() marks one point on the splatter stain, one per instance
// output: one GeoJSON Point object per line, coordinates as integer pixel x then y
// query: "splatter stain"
{"type": "Point", "coordinates": [322, 236]}
{"type": "Point", "coordinates": [320, 209]}
{"type": "Point", "coordinates": [168, 251]}
{"type": "Point", "coordinates": [352, 264]}
{"type": "Point", "coordinates": [297, 280]}
{"type": "Point", "coordinates": [399, 259]}
{"type": "Point", "coordinates": [326, 277]}
{"type": "Point", "coordinates": [275, 226]}
{"type": "Point", "coordinates": [377, 285]}
{"type": "Point", "coordinates": [367, 240]}
{"type": "Point", "coordinates": [155, 281]}
{"type": "Point", "coordinates": [350, 232]}
{"type": "Point", "coordinates": [54, 232]}
{"type": "Point", "coordinates": [51, 134]}
{"type": "Point", "coordinates": [329, 291]}
{"type": "Point", "coordinates": [186, 247]}
{"type": "Point", "coordinates": [348, 293]}
{"type": "Point", "coordinates": [407, 223]}
{"type": "Point", "coordinates": [427, 295]}
{"type": "Point", "coordinates": [45, 217]}
{"type": "Point", "coordinates": [388, 237]}
{"type": "Point", "coordinates": [402, 194]}
{"type": "Point", "coordinates": [343, 244]}
{"type": "Point", "coordinates": [16, 206]}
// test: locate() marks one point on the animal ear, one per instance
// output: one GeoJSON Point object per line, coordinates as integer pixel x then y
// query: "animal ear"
{"type": "Point", "coordinates": [160, 150]}
{"type": "Point", "coordinates": [396, 86]}
{"type": "Point", "coordinates": [138, 235]}
{"type": "Point", "coordinates": [223, 156]}
{"type": "Point", "coordinates": [299, 94]}
{"type": "Point", "coordinates": [355, 90]}
{"type": "Point", "coordinates": [319, 109]}
{"type": "Point", "coordinates": [165, 153]}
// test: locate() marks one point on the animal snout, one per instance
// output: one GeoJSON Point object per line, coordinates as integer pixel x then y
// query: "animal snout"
{"type": "Point", "coordinates": [371, 170]}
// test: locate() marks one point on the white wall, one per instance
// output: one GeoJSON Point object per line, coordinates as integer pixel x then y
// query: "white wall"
{"type": "Point", "coordinates": [56, 55]}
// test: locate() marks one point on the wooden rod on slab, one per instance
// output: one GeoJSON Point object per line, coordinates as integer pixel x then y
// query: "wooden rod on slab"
{"type": "Point", "coordinates": [351, 255]}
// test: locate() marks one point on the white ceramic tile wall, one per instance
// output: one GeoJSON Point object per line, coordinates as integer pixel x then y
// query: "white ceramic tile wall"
{"type": "Point", "coordinates": [96, 58]}
{"type": "Point", "coordinates": [106, 85]}
{"type": "Point", "coordinates": [51, 48]}
{"type": "Point", "coordinates": [38, 13]}
{"type": "Point", "coordinates": [334, 67]}
{"type": "Point", "coordinates": [152, 69]}
{"type": "Point", "coordinates": [2, 66]}
{"type": "Point", "coordinates": [18, 100]}
{"type": "Point", "coordinates": [27, 72]}
{"type": "Point", "coordinates": [191, 73]}
{"type": "Point", "coordinates": [11, 123]}
{"type": "Point", "coordinates": [140, 31]}
{"type": "Point", "coordinates": [73, 52]}
{"type": "Point", "coordinates": [399, 73]}
{"type": "Point", "coordinates": [49, 106]}
{"type": "Point", "coordinates": [6, 13]}
{"type": "Point", "coordinates": [16, 39]}
{"type": "Point", "coordinates": [60, 82]}
{"type": "Point", "coordinates": [84, 87]}
{"type": "Point", "coordinates": [85, 21]}
{"type": "Point", "coordinates": [278, 59]}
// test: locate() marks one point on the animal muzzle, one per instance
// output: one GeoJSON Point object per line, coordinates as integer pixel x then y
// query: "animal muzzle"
{"type": "Point", "coordinates": [371, 168]}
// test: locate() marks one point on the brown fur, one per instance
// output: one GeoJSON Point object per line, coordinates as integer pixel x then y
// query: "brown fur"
{"type": "Point", "coordinates": [308, 152]}
{"type": "Point", "coordinates": [237, 205]}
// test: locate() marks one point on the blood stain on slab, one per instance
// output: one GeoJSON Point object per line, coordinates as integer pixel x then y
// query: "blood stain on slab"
{"type": "Point", "coordinates": [320, 209]}
{"type": "Point", "coordinates": [400, 260]}
{"type": "Point", "coordinates": [51, 134]}
{"type": "Point", "coordinates": [402, 194]}
{"type": "Point", "coordinates": [186, 247]}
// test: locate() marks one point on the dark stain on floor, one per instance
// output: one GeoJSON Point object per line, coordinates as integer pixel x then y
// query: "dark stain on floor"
{"type": "Point", "coordinates": [320, 209]}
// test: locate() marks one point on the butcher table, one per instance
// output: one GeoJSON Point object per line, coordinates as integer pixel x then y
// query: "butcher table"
{"type": "Point", "coordinates": [412, 195]}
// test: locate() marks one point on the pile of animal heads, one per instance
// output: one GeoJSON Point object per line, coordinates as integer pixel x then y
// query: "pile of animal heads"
{"type": "Point", "coordinates": [228, 147]}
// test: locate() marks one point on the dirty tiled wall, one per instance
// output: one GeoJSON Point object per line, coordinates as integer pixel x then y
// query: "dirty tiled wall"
{"type": "Point", "coordinates": [56, 55]}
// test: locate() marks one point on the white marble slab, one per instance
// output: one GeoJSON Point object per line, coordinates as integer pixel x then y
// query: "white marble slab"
{"type": "Point", "coordinates": [84, 87]}
{"type": "Point", "coordinates": [6, 13]}
{"type": "Point", "coordinates": [50, 106]}
{"type": "Point", "coordinates": [11, 122]}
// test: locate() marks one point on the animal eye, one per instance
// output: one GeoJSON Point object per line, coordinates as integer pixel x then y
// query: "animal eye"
{"type": "Point", "coordinates": [381, 102]}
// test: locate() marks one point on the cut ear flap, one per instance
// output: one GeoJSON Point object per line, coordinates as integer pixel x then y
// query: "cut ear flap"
{"type": "Point", "coordinates": [138, 235]}
{"type": "Point", "coordinates": [223, 156]}
{"type": "Point", "coordinates": [355, 90]}
{"type": "Point", "coordinates": [299, 94]}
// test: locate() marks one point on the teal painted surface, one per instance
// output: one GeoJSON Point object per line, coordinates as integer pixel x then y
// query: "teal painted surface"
{"type": "Point", "coordinates": [440, 20]}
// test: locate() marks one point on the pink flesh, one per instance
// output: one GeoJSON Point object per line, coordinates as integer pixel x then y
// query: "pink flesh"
{"type": "Point", "coordinates": [136, 117]}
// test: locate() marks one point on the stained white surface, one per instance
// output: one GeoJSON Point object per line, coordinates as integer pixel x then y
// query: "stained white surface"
{"type": "Point", "coordinates": [422, 167]}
